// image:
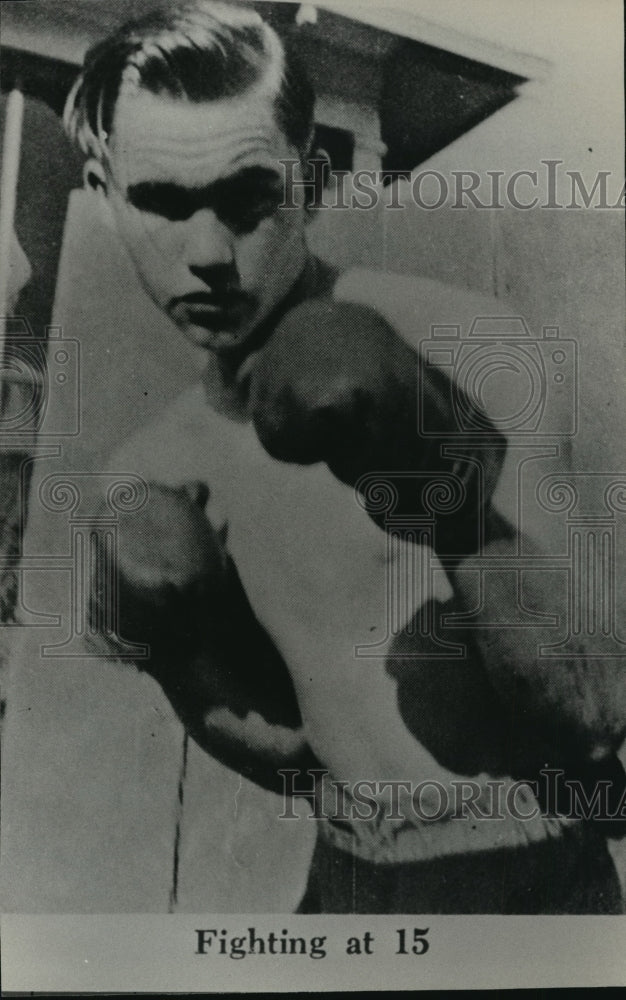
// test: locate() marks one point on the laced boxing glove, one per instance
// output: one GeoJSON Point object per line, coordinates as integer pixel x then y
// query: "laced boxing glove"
{"type": "Point", "coordinates": [335, 383]}
{"type": "Point", "coordinates": [178, 591]}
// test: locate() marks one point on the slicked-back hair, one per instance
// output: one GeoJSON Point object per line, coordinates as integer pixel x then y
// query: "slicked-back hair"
{"type": "Point", "coordinates": [198, 51]}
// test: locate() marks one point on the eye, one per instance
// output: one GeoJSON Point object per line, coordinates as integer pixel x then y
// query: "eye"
{"type": "Point", "coordinates": [242, 209]}
{"type": "Point", "coordinates": [247, 218]}
{"type": "Point", "coordinates": [166, 201]}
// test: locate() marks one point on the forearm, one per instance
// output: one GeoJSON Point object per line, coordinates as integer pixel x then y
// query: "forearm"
{"type": "Point", "coordinates": [365, 738]}
{"type": "Point", "coordinates": [227, 722]}
{"type": "Point", "coordinates": [253, 747]}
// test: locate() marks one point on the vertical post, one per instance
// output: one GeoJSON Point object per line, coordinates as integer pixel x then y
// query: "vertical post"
{"type": "Point", "coordinates": [8, 193]}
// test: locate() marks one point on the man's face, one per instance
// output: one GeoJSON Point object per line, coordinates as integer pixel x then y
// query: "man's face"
{"type": "Point", "coordinates": [195, 190]}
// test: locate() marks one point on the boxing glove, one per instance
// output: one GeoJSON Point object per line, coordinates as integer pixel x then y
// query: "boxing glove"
{"type": "Point", "coordinates": [179, 593]}
{"type": "Point", "coordinates": [503, 708]}
{"type": "Point", "coordinates": [571, 698]}
{"type": "Point", "coordinates": [335, 383]}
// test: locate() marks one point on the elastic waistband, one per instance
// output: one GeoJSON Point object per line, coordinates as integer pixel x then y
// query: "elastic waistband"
{"type": "Point", "coordinates": [408, 837]}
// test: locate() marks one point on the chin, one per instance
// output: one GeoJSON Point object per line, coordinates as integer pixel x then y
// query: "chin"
{"type": "Point", "coordinates": [200, 337]}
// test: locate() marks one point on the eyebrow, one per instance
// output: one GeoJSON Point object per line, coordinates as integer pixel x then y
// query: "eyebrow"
{"type": "Point", "coordinates": [146, 194]}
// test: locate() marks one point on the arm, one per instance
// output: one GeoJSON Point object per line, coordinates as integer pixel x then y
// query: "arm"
{"type": "Point", "coordinates": [178, 591]}
{"type": "Point", "coordinates": [233, 692]}
{"type": "Point", "coordinates": [231, 727]}
{"type": "Point", "coordinates": [335, 385]}
{"type": "Point", "coordinates": [349, 702]}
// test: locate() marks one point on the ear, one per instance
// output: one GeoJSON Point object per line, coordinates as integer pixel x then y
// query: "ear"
{"type": "Point", "coordinates": [316, 165]}
{"type": "Point", "coordinates": [96, 187]}
{"type": "Point", "coordinates": [94, 176]}
{"type": "Point", "coordinates": [318, 159]}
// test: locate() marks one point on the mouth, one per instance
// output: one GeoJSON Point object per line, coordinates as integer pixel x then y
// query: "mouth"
{"type": "Point", "coordinates": [213, 319]}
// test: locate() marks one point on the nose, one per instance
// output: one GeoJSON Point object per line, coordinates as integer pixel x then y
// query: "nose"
{"type": "Point", "coordinates": [208, 242]}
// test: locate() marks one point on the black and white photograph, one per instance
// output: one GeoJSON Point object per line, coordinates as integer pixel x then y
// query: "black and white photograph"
{"type": "Point", "coordinates": [312, 495]}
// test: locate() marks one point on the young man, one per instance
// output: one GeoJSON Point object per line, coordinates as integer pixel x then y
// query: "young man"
{"type": "Point", "coordinates": [267, 573]}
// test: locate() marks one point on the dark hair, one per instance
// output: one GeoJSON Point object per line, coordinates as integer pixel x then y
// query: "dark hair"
{"type": "Point", "coordinates": [199, 51]}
